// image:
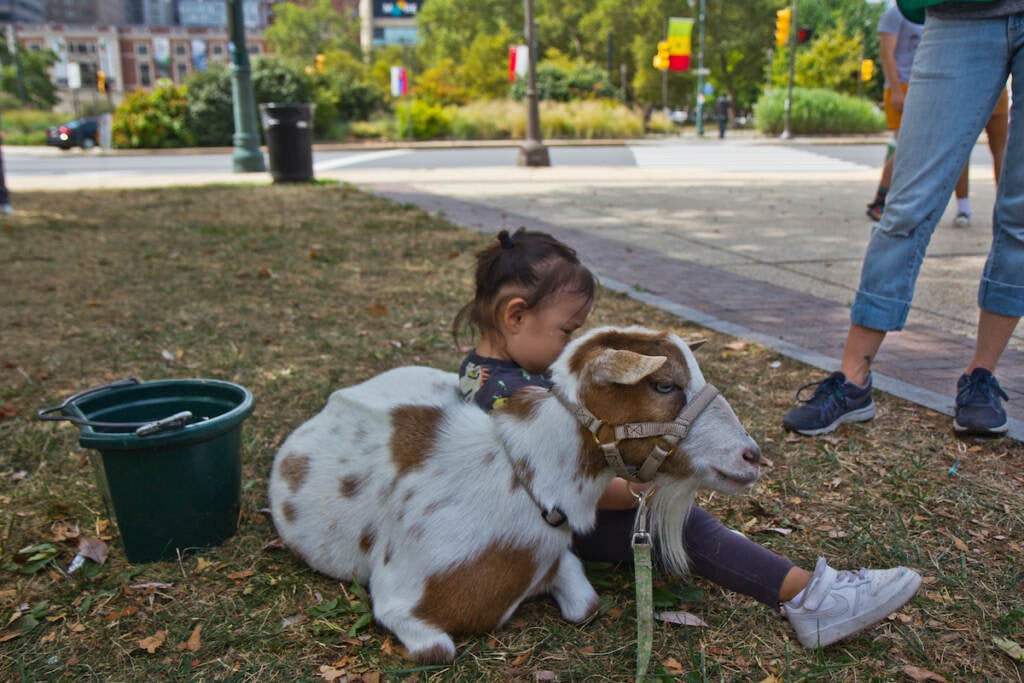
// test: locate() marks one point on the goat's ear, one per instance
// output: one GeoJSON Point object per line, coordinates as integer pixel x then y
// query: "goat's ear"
{"type": "Point", "coordinates": [616, 366]}
{"type": "Point", "coordinates": [695, 344]}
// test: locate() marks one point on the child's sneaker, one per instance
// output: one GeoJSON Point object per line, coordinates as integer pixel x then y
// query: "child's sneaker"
{"type": "Point", "coordinates": [979, 409]}
{"type": "Point", "coordinates": [834, 402]}
{"type": "Point", "coordinates": [837, 604]}
{"type": "Point", "coordinates": [962, 220]}
{"type": "Point", "coordinates": [875, 209]}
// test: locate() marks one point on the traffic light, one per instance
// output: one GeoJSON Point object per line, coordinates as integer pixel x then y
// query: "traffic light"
{"type": "Point", "coordinates": [804, 34]}
{"type": "Point", "coordinates": [867, 70]}
{"type": "Point", "coordinates": [783, 17]}
{"type": "Point", "coordinates": [101, 81]}
{"type": "Point", "coordinates": [319, 64]}
{"type": "Point", "coordinates": [661, 59]}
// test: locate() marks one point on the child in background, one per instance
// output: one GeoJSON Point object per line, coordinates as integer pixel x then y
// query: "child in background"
{"type": "Point", "coordinates": [532, 294]}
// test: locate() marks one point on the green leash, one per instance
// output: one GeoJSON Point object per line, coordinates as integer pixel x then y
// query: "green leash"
{"type": "Point", "coordinates": [644, 586]}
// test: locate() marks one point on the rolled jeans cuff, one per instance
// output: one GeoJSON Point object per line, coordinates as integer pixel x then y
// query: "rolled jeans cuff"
{"type": "Point", "coordinates": [1001, 298]}
{"type": "Point", "coordinates": [878, 312]}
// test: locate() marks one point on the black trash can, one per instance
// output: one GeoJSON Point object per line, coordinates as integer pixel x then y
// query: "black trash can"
{"type": "Point", "coordinates": [288, 129]}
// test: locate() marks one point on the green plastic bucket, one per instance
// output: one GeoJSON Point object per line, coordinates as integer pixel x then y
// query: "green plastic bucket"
{"type": "Point", "coordinates": [168, 459]}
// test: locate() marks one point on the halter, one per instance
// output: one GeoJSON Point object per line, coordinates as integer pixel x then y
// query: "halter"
{"type": "Point", "coordinates": [672, 433]}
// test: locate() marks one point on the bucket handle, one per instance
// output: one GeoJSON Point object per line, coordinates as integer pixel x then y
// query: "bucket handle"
{"type": "Point", "coordinates": [176, 421]}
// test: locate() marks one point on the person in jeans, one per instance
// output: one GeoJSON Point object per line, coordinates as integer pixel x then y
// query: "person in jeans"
{"type": "Point", "coordinates": [531, 294]}
{"type": "Point", "coordinates": [967, 52]}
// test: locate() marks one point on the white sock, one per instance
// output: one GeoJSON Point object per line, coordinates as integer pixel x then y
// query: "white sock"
{"type": "Point", "coordinates": [963, 205]}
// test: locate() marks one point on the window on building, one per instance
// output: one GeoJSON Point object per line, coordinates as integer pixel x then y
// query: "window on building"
{"type": "Point", "coordinates": [142, 49]}
{"type": "Point", "coordinates": [218, 49]}
{"type": "Point", "coordinates": [254, 49]}
{"type": "Point", "coordinates": [182, 69]}
{"type": "Point", "coordinates": [180, 50]}
{"type": "Point", "coordinates": [145, 77]}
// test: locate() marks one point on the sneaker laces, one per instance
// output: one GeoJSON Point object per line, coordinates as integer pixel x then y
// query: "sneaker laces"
{"type": "Point", "coordinates": [981, 389]}
{"type": "Point", "coordinates": [830, 387]}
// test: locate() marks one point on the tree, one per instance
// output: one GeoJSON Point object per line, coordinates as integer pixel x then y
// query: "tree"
{"type": "Point", "coordinates": [831, 61]}
{"type": "Point", "coordinates": [40, 91]}
{"type": "Point", "coordinates": [448, 27]}
{"type": "Point", "coordinates": [298, 34]}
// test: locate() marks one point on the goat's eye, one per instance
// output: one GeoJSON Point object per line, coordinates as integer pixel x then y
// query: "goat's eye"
{"type": "Point", "coordinates": [664, 387]}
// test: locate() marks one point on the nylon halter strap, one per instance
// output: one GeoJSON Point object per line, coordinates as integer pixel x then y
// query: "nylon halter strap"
{"type": "Point", "coordinates": [672, 433]}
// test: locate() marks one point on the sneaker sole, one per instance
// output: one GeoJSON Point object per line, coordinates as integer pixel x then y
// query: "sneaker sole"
{"type": "Point", "coordinates": [853, 626]}
{"type": "Point", "coordinates": [998, 430]}
{"type": "Point", "coordinates": [860, 415]}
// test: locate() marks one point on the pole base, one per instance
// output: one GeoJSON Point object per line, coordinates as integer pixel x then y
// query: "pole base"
{"type": "Point", "coordinates": [533, 153]}
{"type": "Point", "coordinates": [248, 160]}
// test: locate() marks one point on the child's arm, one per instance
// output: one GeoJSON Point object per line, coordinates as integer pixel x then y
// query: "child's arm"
{"type": "Point", "coordinates": [617, 496]}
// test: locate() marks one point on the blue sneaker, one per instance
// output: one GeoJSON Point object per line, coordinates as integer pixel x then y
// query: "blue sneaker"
{"type": "Point", "coordinates": [834, 402]}
{"type": "Point", "coordinates": [979, 409]}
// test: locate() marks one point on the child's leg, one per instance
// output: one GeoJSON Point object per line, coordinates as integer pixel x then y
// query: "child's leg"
{"type": "Point", "coordinates": [732, 560]}
{"type": "Point", "coordinates": [716, 553]}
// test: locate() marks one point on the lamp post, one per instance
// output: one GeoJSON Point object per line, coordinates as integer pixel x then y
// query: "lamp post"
{"type": "Point", "coordinates": [247, 157]}
{"type": "Point", "coordinates": [533, 152]}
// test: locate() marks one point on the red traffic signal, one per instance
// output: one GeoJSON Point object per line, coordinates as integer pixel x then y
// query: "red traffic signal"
{"type": "Point", "coordinates": [804, 34]}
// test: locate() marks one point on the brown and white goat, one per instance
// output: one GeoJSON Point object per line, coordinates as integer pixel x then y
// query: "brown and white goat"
{"type": "Point", "coordinates": [450, 515]}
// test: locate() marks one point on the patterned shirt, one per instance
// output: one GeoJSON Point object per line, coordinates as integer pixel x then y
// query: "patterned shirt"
{"type": "Point", "coordinates": [490, 382]}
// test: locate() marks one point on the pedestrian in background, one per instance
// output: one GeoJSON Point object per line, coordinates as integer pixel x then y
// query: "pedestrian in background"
{"type": "Point", "coordinates": [722, 106]}
{"type": "Point", "coordinates": [897, 43]}
{"type": "Point", "coordinates": [967, 52]}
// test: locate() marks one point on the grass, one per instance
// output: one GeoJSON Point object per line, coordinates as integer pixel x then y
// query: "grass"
{"type": "Point", "coordinates": [296, 291]}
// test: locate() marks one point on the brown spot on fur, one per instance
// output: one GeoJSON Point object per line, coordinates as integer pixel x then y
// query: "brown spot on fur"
{"type": "Point", "coordinates": [619, 404]}
{"type": "Point", "coordinates": [349, 486]}
{"type": "Point", "coordinates": [293, 469]}
{"type": "Point", "coordinates": [433, 507]}
{"type": "Point", "coordinates": [522, 403]}
{"type": "Point", "coordinates": [472, 597]}
{"type": "Point", "coordinates": [289, 512]}
{"type": "Point", "coordinates": [366, 540]}
{"type": "Point", "coordinates": [488, 457]}
{"type": "Point", "coordinates": [387, 554]}
{"type": "Point", "coordinates": [414, 431]}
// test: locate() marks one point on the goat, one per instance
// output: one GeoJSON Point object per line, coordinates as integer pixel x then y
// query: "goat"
{"type": "Point", "coordinates": [453, 516]}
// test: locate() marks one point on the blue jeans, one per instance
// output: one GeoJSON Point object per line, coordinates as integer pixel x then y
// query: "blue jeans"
{"type": "Point", "coordinates": [959, 71]}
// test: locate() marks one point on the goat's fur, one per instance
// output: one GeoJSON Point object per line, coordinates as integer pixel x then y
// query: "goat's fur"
{"type": "Point", "coordinates": [401, 485]}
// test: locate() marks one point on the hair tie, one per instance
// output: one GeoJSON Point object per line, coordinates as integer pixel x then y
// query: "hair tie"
{"type": "Point", "coordinates": [505, 239]}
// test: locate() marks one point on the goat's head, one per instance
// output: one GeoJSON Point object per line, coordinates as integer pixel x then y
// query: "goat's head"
{"type": "Point", "coordinates": [632, 377]}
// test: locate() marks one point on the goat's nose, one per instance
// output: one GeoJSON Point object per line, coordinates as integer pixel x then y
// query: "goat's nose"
{"type": "Point", "coordinates": [752, 455]}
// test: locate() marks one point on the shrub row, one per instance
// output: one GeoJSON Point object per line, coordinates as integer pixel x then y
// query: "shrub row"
{"type": "Point", "coordinates": [815, 111]}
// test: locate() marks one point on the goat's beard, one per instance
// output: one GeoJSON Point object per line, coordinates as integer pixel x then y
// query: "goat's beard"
{"type": "Point", "coordinates": [670, 506]}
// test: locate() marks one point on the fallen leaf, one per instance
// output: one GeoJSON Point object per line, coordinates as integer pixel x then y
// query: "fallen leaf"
{"type": "Point", "coordinates": [93, 549]}
{"type": "Point", "coordinates": [244, 574]}
{"type": "Point", "coordinates": [522, 659]}
{"type": "Point", "coordinates": [770, 679]}
{"type": "Point", "coordinates": [202, 564]}
{"type": "Point", "coordinates": [377, 309]}
{"type": "Point", "coordinates": [672, 666]}
{"type": "Point", "coordinates": [681, 618]}
{"type": "Point", "coordinates": [329, 673]}
{"type": "Point", "coordinates": [539, 676]}
{"type": "Point", "coordinates": [9, 411]}
{"type": "Point", "coordinates": [736, 345]}
{"type": "Point", "coordinates": [919, 674]}
{"type": "Point", "coordinates": [1009, 647]}
{"type": "Point", "coordinates": [960, 545]}
{"type": "Point", "coordinates": [193, 642]}
{"type": "Point", "coordinates": [153, 642]}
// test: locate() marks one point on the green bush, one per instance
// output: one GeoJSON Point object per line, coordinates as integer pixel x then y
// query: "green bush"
{"type": "Point", "coordinates": [211, 116]}
{"type": "Point", "coordinates": [579, 119]}
{"type": "Point", "coordinates": [154, 120]}
{"type": "Point", "coordinates": [815, 111]}
{"type": "Point", "coordinates": [561, 83]}
{"type": "Point", "coordinates": [428, 120]}
{"type": "Point", "coordinates": [27, 126]}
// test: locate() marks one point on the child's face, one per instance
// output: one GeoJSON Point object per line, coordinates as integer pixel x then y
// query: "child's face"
{"type": "Point", "coordinates": [538, 335]}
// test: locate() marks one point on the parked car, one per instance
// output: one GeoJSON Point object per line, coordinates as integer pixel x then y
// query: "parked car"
{"type": "Point", "coordinates": [84, 133]}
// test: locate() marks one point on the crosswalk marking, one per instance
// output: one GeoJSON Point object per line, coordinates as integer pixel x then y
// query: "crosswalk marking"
{"type": "Point", "coordinates": [738, 157]}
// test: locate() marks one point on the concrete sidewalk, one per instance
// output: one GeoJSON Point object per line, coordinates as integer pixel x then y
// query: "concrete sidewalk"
{"type": "Point", "coordinates": [742, 236]}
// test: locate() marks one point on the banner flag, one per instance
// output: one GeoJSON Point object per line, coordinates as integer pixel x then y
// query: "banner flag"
{"type": "Point", "coordinates": [679, 43]}
{"type": "Point", "coordinates": [399, 81]}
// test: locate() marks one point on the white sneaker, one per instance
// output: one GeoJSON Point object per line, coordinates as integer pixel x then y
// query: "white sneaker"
{"type": "Point", "coordinates": [837, 604]}
{"type": "Point", "coordinates": [962, 220]}
{"type": "Point", "coordinates": [6, 209]}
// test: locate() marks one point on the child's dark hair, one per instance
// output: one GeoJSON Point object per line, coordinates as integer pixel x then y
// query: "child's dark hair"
{"type": "Point", "coordinates": [528, 264]}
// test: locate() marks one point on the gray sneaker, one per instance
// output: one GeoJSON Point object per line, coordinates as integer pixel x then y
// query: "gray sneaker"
{"type": "Point", "coordinates": [838, 604]}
